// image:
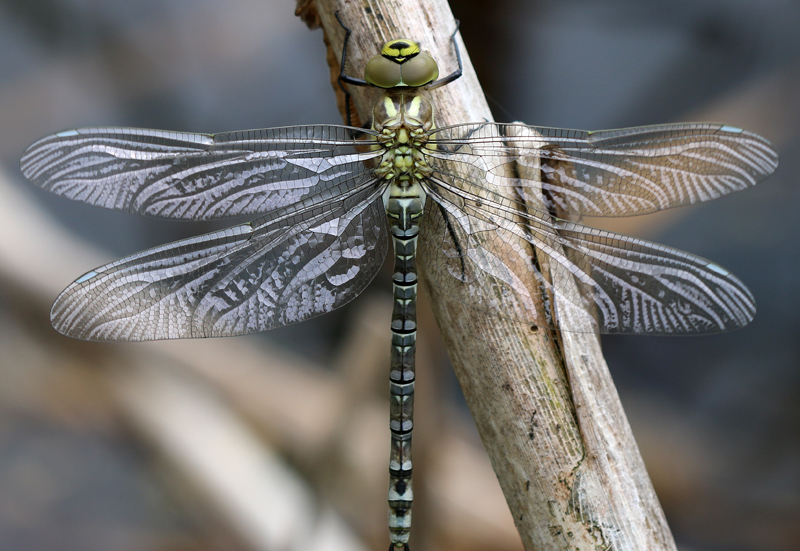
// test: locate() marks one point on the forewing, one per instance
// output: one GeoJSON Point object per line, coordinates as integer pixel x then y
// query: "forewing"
{"type": "Point", "coordinates": [607, 173]}
{"type": "Point", "coordinates": [198, 176]}
{"type": "Point", "coordinates": [254, 277]}
{"type": "Point", "coordinates": [491, 254]}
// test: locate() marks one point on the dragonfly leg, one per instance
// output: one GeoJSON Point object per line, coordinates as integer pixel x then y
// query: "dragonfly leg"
{"type": "Point", "coordinates": [455, 75]}
{"type": "Point", "coordinates": [344, 77]}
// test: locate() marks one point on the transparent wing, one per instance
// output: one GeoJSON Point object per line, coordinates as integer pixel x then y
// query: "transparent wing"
{"type": "Point", "coordinates": [278, 270]}
{"type": "Point", "coordinates": [488, 251]}
{"type": "Point", "coordinates": [198, 176]}
{"type": "Point", "coordinates": [643, 287]}
{"type": "Point", "coordinates": [608, 173]}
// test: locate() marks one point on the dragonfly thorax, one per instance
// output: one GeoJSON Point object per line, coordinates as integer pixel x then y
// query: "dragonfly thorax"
{"type": "Point", "coordinates": [403, 120]}
{"type": "Point", "coordinates": [402, 108]}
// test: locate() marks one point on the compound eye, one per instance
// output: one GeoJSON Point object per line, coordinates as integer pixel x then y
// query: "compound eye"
{"type": "Point", "coordinates": [382, 72]}
{"type": "Point", "coordinates": [419, 70]}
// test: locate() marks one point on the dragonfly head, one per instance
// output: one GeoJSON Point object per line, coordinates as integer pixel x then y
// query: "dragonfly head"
{"type": "Point", "coordinates": [401, 64]}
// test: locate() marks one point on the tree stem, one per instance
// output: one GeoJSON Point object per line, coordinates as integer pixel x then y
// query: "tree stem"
{"type": "Point", "coordinates": [546, 407]}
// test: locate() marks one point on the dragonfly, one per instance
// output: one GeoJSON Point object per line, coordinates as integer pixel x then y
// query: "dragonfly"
{"type": "Point", "coordinates": [480, 204]}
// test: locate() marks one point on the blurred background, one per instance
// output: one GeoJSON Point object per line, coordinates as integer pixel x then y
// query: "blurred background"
{"type": "Point", "coordinates": [279, 441]}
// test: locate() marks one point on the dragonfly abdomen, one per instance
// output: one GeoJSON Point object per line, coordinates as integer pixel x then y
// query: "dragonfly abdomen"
{"type": "Point", "coordinates": [404, 207]}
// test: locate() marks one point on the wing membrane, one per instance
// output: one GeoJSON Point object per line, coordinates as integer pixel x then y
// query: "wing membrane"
{"type": "Point", "coordinates": [272, 272]}
{"type": "Point", "coordinates": [486, 251]}
{"type": "Point", "coordinates": [324, 236]}
{"type": "Point", "coordinates": [648, 288]}
{"type": "Point", "coordinates": [608, 173]}
{"type": "Point", "coordinates": [198, 176]}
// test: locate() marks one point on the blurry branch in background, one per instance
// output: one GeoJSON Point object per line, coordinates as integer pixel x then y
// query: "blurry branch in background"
{"type": "Point", "coordinates": [206, 443]}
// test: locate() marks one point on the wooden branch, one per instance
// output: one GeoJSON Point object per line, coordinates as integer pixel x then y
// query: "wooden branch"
{"type": "Point", "coordinates": [547, 411]}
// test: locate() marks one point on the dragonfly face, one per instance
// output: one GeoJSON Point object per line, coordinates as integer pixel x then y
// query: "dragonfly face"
{"type": "Point", "coordinates": [401, 63]}
{"type": "Point", "coordinates": [481, 199]}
